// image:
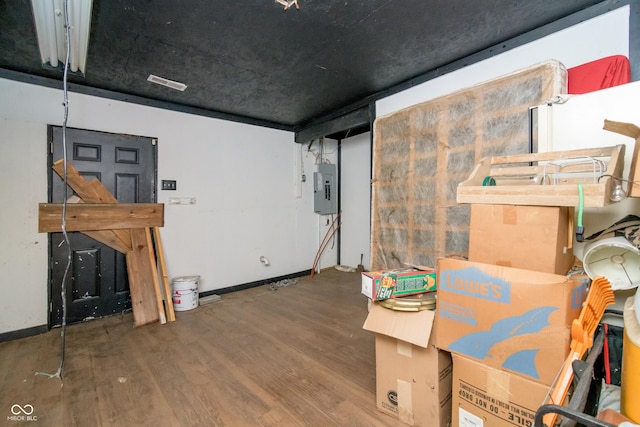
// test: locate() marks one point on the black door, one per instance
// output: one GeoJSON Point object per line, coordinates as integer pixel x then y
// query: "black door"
{"type": "Point", "coordinates": [97, 283]}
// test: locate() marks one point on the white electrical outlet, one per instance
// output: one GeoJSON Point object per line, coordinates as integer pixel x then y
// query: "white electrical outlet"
{"type": "Point", "coordinates": [182, 200]}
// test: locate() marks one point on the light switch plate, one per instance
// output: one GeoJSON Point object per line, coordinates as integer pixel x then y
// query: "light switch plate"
{"type": "Point", "coordinates": [168, 184]}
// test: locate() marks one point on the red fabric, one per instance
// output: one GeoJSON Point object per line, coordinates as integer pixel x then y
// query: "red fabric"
{"type": "Point", "coordinates": [599, 74]}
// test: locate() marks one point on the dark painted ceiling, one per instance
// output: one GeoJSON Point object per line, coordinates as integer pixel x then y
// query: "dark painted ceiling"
{"type": "Point", "coordinates": [255, 61]}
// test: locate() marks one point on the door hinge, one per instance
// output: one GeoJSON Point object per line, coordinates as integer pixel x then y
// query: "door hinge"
{"type": "Point", "coordinates": [51, 147]}
{"type": "Point", "coordinates": [154, 141]}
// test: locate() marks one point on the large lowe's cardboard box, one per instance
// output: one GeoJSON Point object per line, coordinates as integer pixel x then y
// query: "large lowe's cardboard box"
{"type": "Point", "coordinates": [489, 397]}
{"type": "Point", "coordinates": [394, 283]}
{"type": "Point", "coordinates": [537, 238]}
{"type": "Point", "coordinates": [413, 377]}
{"type": "Point", "coordinates": [508, 318]}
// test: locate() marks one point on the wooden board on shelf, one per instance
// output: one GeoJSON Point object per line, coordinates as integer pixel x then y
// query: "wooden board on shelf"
{"type": "Point", "coordinates": [545, 179]}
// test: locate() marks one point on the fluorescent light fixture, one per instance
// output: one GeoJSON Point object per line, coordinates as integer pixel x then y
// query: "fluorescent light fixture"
{"type": "Point", "coordinates": [166, 82]}
{"type": "Point", "coordinates": [50, 28]}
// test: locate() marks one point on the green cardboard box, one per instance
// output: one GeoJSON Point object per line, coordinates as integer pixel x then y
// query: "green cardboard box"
{"type": "Point", "coordinates": [394, 283]}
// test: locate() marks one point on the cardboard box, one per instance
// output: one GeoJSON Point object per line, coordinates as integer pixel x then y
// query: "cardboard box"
{"type": "Point", "coordinates": [413, 377]}
{"type": "Point", "coordinates": [632, 131]}
{"type": "Point", "coordinates": [489, 397]}
{"type": "Point", "coordinates": [537, 238]}
{"type": "Point", "coordinates": [384, 284]}
{"type": "Point", "coordinates": [508, 318]}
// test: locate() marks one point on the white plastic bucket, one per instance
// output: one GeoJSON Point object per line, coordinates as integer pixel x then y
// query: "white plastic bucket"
{"type": "Point", "coordinates": [184, 292]}
{"type": "Point", "coordinates": [614, 258]}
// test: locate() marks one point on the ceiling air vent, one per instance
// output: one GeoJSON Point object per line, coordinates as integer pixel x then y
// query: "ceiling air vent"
{"type": "Point", "coordinates": [166, 82]}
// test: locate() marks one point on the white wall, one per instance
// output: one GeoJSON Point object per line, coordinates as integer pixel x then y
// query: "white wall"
{"type": "Point", "coordinates": [249, 201]}
{"type": "Point", "coordinates": [605, 35]}
{"type": "Point", "coordinates": [355, 200]}
{"type": "Point", "coordinates": [23, 251]}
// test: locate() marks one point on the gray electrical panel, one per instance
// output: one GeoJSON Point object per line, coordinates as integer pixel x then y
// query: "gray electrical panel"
{"type": "Point", "coordinates": [325, 197]}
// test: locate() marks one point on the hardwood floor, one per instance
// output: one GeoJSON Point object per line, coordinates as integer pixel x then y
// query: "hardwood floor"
{"type": "Point", "coordinates": [294, 356]}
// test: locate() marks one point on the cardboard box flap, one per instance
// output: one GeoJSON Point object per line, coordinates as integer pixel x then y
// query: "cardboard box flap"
{"type": "Point", "coordinates": [626, 129]}
{"type": "Point", "coordinates": [413, 327]}
{"type": "Point", "coordinates": [480, 272]}
{"type": "Point", "coordinates": [633, 131]}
